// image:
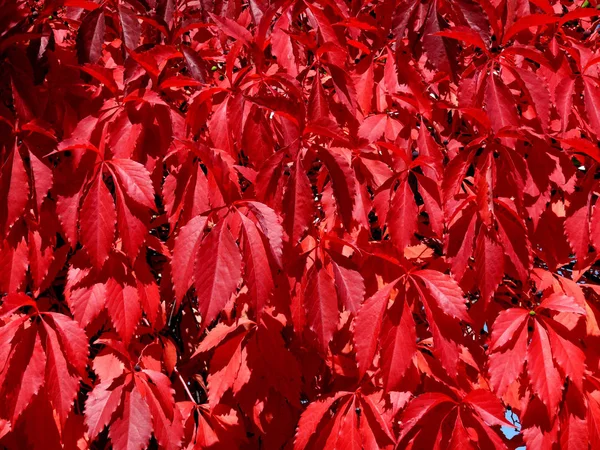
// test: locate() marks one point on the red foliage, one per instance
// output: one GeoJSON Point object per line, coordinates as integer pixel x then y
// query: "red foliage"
{"type": "Point", "coordinates": [292, 224]}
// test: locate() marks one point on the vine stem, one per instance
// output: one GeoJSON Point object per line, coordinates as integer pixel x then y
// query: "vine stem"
{"type": "Point", "coordinates": [185, 386]}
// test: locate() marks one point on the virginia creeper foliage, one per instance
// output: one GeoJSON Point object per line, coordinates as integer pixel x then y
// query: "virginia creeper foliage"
{"type": "Point", "coordinates": [330, 224]}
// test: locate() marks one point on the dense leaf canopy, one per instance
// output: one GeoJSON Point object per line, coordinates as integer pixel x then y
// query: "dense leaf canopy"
{"type": "Point", "coordinates": [331, 224]}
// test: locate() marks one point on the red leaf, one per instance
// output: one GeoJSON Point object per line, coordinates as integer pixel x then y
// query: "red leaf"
{"type": "Point", "coordinates": [256, 265]}
{"type": "Point", "coordinates": [61, 385]}
{"type": "Point", "coordinates": [97, 222]}
{"type": "Point", "coordinates": [402, 216]}
{"type": "Point", "coordinates": [298, 204]}
{"type": "Point", "coordinates": [321, 306]}
{"type": "Point", "coordinates": [489, 265]}
{"type": "Point", "coordinates": [344, 186]}
{"type": "Point", "coordinates": [350, 286]}
{"type": "Point", "coordinates": [544, 376]}
{"type": "Point", "coordinates": [90, 36]}
{"type": "Point", "coordinates": [123, 305]}
{"type": "Point", "coordinates": [15, 189]}
{"type": "Point", "coordinates": [270, 224]}
{"type": "Point", "coordinates": [42, 180]}
{"type": "Point", "coordinates": [524, 23]}
{"type": "Point", "coordinates": [130, 27]}
{"type": "Point", "coordinates": [499, 104]}
{"type": "Point", "coordinates": [13, 265]}
{"type": "Point", "coordinates": [187, 243]}
{"type": "Point", "coordinates": [132, 429]}
{"type": "Point", "coordinates": [399, 344]}
{"type": "Point", "coordinates": [100, 406]}
{"type": "Point", "coordinates": [592, 104]}
{"type": "Point", "coordinates": [368, 325]}
{"type": "Point", "coordinates": [135, 180]}
{"type": "Point", "coordinates": [217, 270]}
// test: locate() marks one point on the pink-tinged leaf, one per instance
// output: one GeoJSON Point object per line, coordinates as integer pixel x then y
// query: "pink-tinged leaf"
{"type": "Point", "coordinates": [429, 190]}
{"type": "Point", "coordinates": [363, 80]}
{"type": "Point", "coordinates": [569, 357]}
{"type": "Point", "coordinates": [123, 305]}
{"type": "Point", "coordinates": [61, 385]}
{"type": "Point", "coordinates": [489, 265]}
{"type": "Point", "coordinates": [100, 406]}
{"type": "Point", "coordinates": [430, 150]}
{"type": "Point", "coordinates": [446, 292]}
{"type": "Point", "coordinates": [349, 431]}
{"type": "Point", "coordinates": [560, 302]}
{"type": "Point", "coordinates": [583, 146]}
{"type": "Point", "coordinates": [436, 47]}
{"type": "Point", "coordinates": [97, 222]}
{"type": "Point", "coordinates": [536, 88]}
{"type": "Point", "coordinates": [42, 179]}
{"type": "Point", "coordinates": [41, 256]}
{"type": "Point", "coordinates": [367, 327]}
{"type": "Point", "coordinates": [375, 414]}
{"type": "Point", "coordinates": [217, 271]}
{"type": "Point", "coordinates": [257, 273]}
{"type": "Point", "coordinates": [577, 227]}
{"type": "Point", "coordinates": [592, 103]}
{"type": "Point", "coordinates": [350, 286]}
{"type": "Point", "coordinates": [73, 340]}
{"type": "Point", "coordinates": [187, 243]}
{"type": "Point", "coordinates": [232, 28]}
{"type": "Point", "coordinates": [398, 344]}
{"type": "Point", "coordinates": [24, 377]}
{"type": "Point", "coordinates": [488, 406]}
{"type": "Point", "coordinates": [574, 433]}
{"type": "Point", "coordinates": [593, 417]}
{"type": "Point", "coordinates": [460, 437]}
{"type": "Point", "coordinates": [14, 190]}
{"type": "Point", "coordinates": [131, 227]}
{"type": "Point", "coordinates": [298, 204]}
{"type": "Point", "coordinates": [161, 391]}
{"type": "Point", "coordinates": [318, 109]}
{"type": "Point", "coordinates": [132, 429]}
{"type": "Point", "coordinates": [506, 365]}
{"type": "Point", "coordinates": [310, 420]}
{"type": "Point", "coordinates": [321, 306]}
{"type": "Point", "coordinates": [4, 428]}
{"type": "Point", "coordinates": [67, 208]}
{"type": "Point", "coordinates": [563, 95]}
{"type": "Point", "coordinates": [499, 104]}
{"type": "Point", "coordinates": [13, 265]}
{"type": "Point", "coordinates": [130, 27]}
{"type": "Point", "coordinates": [104, 76]}
{"type": "Point", "coordinates": [544, 376]}
{"type": "Point", "coordinates": [13, 302]}
{"type": "Point", "coordinates": [505, 327]}
{"type": "Point", "coordinates": [343, 179]}
{"type": "Point", "coordinates": [90, 36]}
{"type": "Point", "coordinates": [224, 368]}
{"type": "Point", "coordinates": [419, 408]}
{"type": "Point", "coordinates": [514, 240]}
{"type": "Point", "coordinates": [135, 180]}
{"type": "Point", "coordinates": [270, 225]}
{"type": "Point", "coordinates": [373, 127]}
{"type": "Point", "coordinates": [195, 65]}
{"type": "Point", "coordinates": [87, 302]}
{"type": "Point", "coordinates": [166, 423]}
{"type": "Point", "coordinates": [148, 291]}
{"type": "Point", "coordinates": [524, 23]}
{"type": "Point", "coordinates": [464, 34]}
{"type": "Point", "coordinates": [283, 47]}
{"type": "Point", "coordinates": [402, 218]}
